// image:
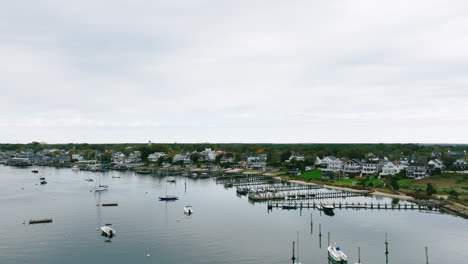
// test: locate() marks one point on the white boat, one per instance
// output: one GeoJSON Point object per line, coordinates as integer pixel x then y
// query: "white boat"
{"type": "Point", "coordinates": [100, 189]}
{"type": "Point", "coordinates": [188, 209]}
{"type": "Point", "coordinates": [327, 206]}
{"type": "Point", "coordinates": [170, 179]}
{"type": "Point", "coordinates": [336, 255]}
{"type": "Point", "coordinates": [108, 231]}
{"type": "Point", "coordinates": [75, 168]}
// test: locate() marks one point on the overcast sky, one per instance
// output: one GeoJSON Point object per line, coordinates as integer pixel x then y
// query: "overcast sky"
{"type": "Point", "coordinates": [234, 71]}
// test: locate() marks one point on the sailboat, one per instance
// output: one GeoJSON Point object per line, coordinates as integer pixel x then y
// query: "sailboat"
{"type": "Point", "coordinates": [100, 187]}
{"type": "Point", "coordinates": [170, 197]}
{"type": "Point", "coordinates": [294, 260]}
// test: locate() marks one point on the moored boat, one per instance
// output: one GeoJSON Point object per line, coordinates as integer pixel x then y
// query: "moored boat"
{"type": "Point", "coordinates": [170, 179]}
{"type": "Point", "coordinates": [168, 198]}
{"type": "Point", "coordinates": [188, 209]}
{"type": "Point", "coordinates": [108, 231]}
{"type": "Point", "coordinates": [336, 256]}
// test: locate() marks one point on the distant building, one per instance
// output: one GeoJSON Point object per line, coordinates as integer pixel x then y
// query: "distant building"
{"type": "Point", "coordinates": [352, 167]}
{"type": "Point", "coordinates": [460, 164]}
{"type": "Point", "coordinates": [155, 156]}
{"type": "Point", "coordinates": [370, 167]}
{"type": "Point", "coordinates": [390, 169]}
{"type": "Point", "coordinates": [184, 157]}
{"type": "Point", "coordinates": [295, 157]}
{"type": "Point", "coordinates": [436, 164]}
{"type": "Point", "coordinates": [416, 170]}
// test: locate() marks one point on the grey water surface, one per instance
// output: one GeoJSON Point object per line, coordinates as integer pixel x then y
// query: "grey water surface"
{"type": "Point", "coordinates": [225, 228]}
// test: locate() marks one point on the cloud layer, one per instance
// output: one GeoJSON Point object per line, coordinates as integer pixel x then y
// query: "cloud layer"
{"type": "Point", "coordinates": [234, 71]}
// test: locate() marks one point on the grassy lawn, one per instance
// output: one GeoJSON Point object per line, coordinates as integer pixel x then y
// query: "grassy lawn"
{"type": "Point", "coordinates": [311, 175]}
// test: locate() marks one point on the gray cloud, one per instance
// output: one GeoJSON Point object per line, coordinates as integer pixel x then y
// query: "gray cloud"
{"type": "Point", "coordinates": [243, 71]}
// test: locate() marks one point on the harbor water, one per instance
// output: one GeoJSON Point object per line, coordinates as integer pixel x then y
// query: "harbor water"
{"type": "Point", "coordinates": [224, 228]}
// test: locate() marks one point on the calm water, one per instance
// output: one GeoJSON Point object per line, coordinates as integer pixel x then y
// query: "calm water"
{"type": "Point", "coordinates": [224, 228]}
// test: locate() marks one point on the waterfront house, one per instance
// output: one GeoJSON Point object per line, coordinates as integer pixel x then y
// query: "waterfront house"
{"type": "Point", "coordinates": [436, 164]}
{"type": "Point", "coordinates": [460, 164]}
{"type": "Point", "coordinates": [352, 167]}
{"type": "Point", "coordinates": [332, 164]}
{"type": "Point", "coordinates": [134, 157]}
{"type": "Point", "coordinates": [118, 158]}
{"type": "Point", "coordinates": [155, 156]}
{"type": "Point", "coordinates": [390, 169]}
{"type": "Point", "coordinates": [184, 157]}
{"type": "Point", "coordinates": [370, 167]}
{"type": "Point", "coordinates": [416, 170]}
{"type": "Point", "coordinates": [77, 157]}
{"type": "Point", "coordinates": [295, 157]}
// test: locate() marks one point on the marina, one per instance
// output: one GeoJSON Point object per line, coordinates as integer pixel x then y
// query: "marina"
{"type": "Point", "coordinates": [237, 224]}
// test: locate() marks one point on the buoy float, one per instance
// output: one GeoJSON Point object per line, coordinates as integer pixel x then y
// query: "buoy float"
{"type": "Point", "coordinates": [148, 255]}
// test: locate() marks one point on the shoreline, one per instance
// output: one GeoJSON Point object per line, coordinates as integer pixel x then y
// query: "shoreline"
{"type": "Point", "coordinates": [375, 193]}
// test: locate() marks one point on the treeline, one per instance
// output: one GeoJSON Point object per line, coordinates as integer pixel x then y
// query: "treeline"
{"type": "Point", "coordinates": [277, 153]}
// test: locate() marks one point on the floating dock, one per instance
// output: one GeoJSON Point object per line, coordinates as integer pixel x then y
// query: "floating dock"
{"type": "Point", "coordinates": [305, 196]}
{"type": "Point", "coordinates": [40, 221]}
{"type": "Point", "coordinates": [110, 204]}
{"type": "Point", "coordinates": [366, 206]}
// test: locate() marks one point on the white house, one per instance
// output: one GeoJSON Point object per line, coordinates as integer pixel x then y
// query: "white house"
{"type": "Point", "coordinates": [352, 167]}
{"type": "Point", "coordinates": [155, 156]}
{"type": "Point", "coordinates": [416, 170]}
{"type": "Point", "coordinates": [209, 154]}
{"type": "Point", "coordinates": [436, 164]}
{"type": "Point", "coordinates": [370, 167]}
{"type": "Point", "coordinates": [296, 157]}
{"type": "Point", "coordinates": [77, 157]}
{"type": "Point", "coordinates": [332, 164]}
{"type": "Point", "coordinates": [185, 157]}
{"type": "Point", "coordinates": [133, 157]}
{"type": "Point", "coordinates": [390, 169]}
{"type": "Point", "coordinates": [118, 158]}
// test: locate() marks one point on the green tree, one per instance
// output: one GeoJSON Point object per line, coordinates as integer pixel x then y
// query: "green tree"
{"type": "Point", "coordinates": [430, 189]}
{"type": "Point", "coordinates": [394, 183]}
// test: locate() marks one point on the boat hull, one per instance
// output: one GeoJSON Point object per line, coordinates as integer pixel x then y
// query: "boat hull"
{"type": "Point", "coordinates": [168, 198]}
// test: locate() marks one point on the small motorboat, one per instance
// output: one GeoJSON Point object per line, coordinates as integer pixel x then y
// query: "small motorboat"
{"type": "Point", "coordinates": [34, 171]}
{"type": "Point", "coordinates": [327, 207]}
{"type": "Point", "coordinates": [335, 255]}
{"type": "Point", "coordinates": [89, 180]}
{"type": "Point", "coordinates": [43, 182]}
{"type": "Point", "coordinates": [115, 177]}
{"type": "Point", "coordinates": [42, 178]}
{"type": "Point", "coordinates": [75, 168]}
{"type": "Point", "coordinates": [100, 189]}
{"type": "Point", "coordinates": [108, 231]}
{"type": "Point", "coordinates": [188, 209]}
{"type": "Point", "coordinates": [170, 179]}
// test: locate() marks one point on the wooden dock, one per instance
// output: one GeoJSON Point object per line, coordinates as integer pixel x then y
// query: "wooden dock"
{"type": "Point", "coordinates": [305, 196]}
{"type": "Point", "coordinates": [365, 206]}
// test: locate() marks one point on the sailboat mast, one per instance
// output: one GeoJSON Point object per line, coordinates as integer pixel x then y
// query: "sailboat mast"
{"type": "Point", "coordinates": [297, 249]}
